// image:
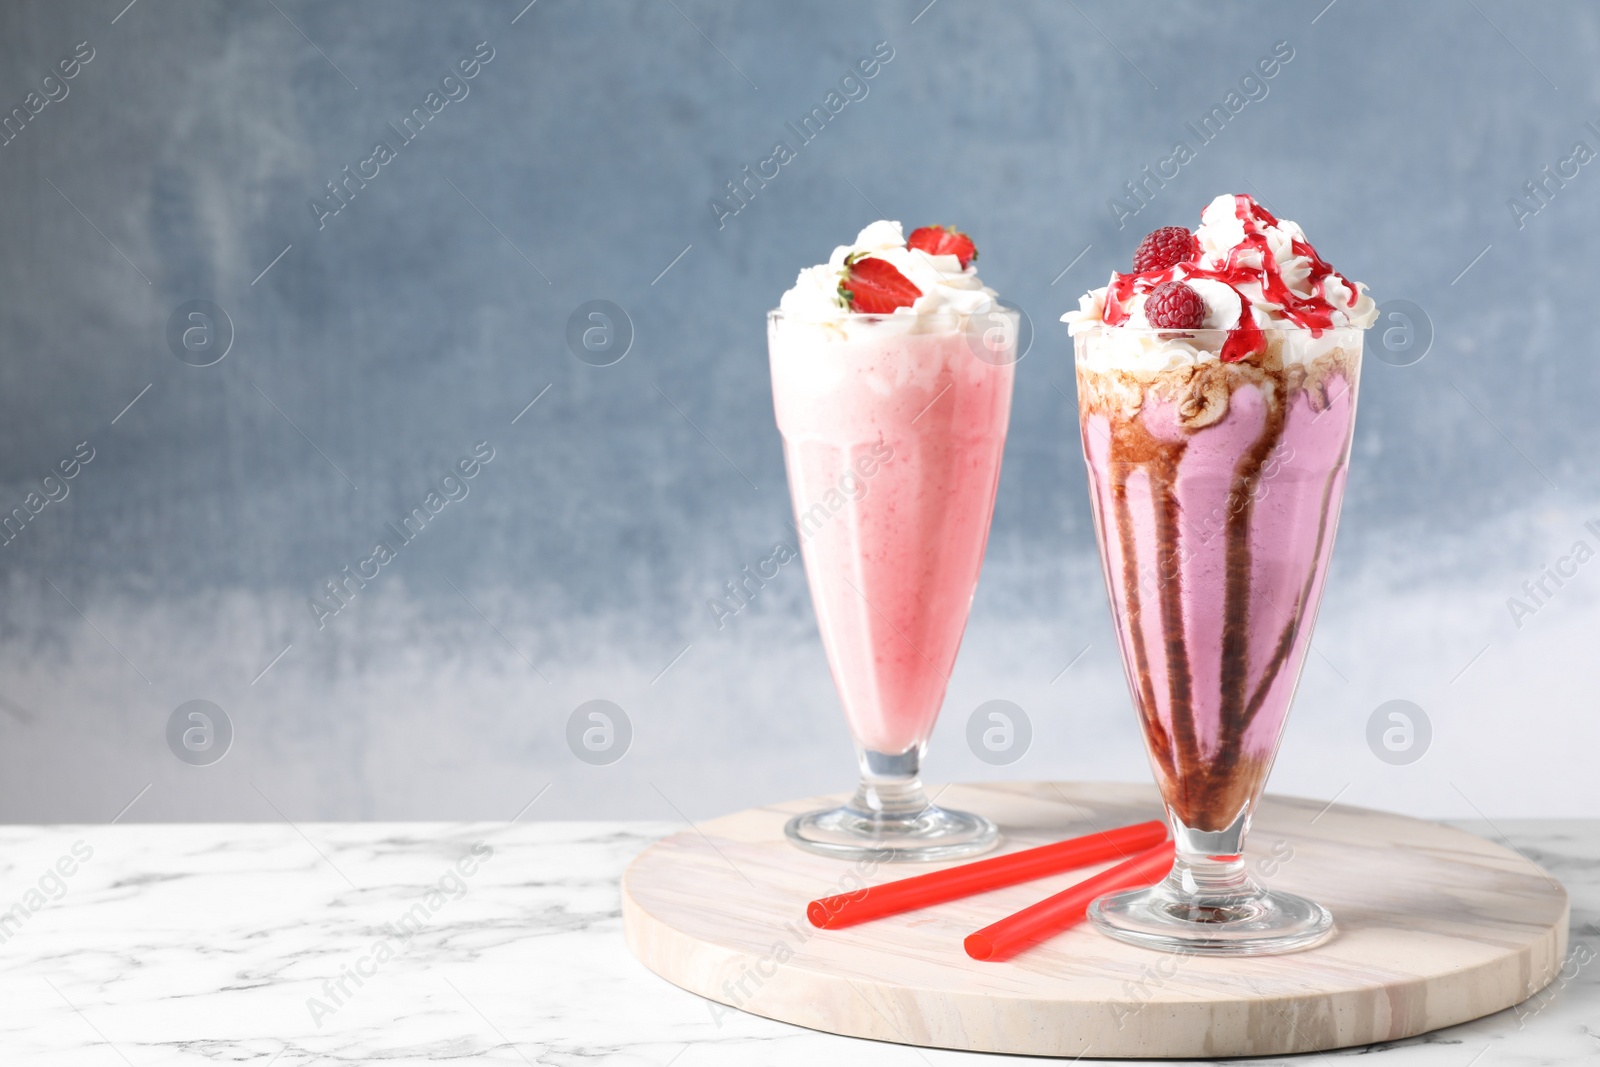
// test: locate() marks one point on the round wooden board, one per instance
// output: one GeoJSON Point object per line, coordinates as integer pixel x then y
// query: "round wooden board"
{"type": "Point", "coordinates": [1434, 927]}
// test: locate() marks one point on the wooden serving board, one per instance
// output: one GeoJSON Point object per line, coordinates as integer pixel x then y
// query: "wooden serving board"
{"type": "Point", "coordinates": [1434, 927]}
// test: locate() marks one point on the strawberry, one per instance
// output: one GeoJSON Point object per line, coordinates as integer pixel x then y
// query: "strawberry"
{"type": "Point", "coordinates": [874, 287]}
{"type": "Point", "coordinates": [943, 241]}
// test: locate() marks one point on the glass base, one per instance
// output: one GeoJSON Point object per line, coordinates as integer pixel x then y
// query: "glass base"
{"type": "Point", "coordinates": [1259, 923]}
{"type": "Point", "coordinates": [931, 834]}
{"type": "Point", "coordinates": [1208, 905]}
{"type": "Point", "coordinates": [891, 820]}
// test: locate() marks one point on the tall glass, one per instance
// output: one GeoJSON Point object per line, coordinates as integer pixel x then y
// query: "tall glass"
{"type": "Point", "coordinates": [1216, 490]}
{"type": "Point", "coordinates": [892, 429]}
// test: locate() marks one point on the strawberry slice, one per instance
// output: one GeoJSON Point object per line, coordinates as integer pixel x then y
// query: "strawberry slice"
{"type": "Point", "coordinates": [874, 287]}
{"type": "Point", "coordinates": [944, 241]}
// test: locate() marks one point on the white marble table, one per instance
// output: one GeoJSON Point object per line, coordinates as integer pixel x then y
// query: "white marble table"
{"type": "Point", "coordinates": [178, 944]}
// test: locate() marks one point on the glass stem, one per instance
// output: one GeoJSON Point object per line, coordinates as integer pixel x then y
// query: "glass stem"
{"type": "Point", "coordinates": [1210, 868]}
{"type": "Point", "coordinates": [891, 784]}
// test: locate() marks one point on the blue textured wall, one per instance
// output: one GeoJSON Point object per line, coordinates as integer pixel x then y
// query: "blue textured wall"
{"type": "Point", "coordinates": [373, 347]}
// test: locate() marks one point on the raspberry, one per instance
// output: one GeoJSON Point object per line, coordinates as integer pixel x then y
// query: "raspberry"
{"type": "Point", "coordinates": [1174, 306]}
{"type": "Point", "coordinates": [1162, 248]}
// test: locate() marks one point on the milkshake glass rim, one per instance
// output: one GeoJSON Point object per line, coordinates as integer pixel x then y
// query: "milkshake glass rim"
{"type": "Point", "coordinates": [946, 316]}
{"type": "Point", "coordinates": [1169, 334]}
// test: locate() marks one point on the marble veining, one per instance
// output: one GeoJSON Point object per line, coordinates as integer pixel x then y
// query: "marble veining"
{"type": "Point", "coordinates": [229, 943]}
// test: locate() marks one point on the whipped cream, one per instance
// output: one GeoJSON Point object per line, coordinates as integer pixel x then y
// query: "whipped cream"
{"type": "Point", "coordinates": [1254, 272]}
{"type": "Point", "coordinates": [947, 289]}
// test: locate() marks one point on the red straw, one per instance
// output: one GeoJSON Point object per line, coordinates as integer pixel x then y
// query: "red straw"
{"type": "Point", "coordinates": [924, 890]}
{"type": "Point", "coordinates": [1052, 915]}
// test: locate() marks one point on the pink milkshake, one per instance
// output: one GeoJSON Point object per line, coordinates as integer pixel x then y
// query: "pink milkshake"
{"type": "Point", "coordinates": [893, 401]}
{"type": "Point", "coordinates": [1216, 492]}
{"type": "Point", "coordinates": [1217, 396]}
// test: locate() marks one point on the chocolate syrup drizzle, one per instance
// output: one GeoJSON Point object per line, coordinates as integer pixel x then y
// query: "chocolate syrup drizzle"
{"type": "Point", "coordinates": [1207, 792]}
